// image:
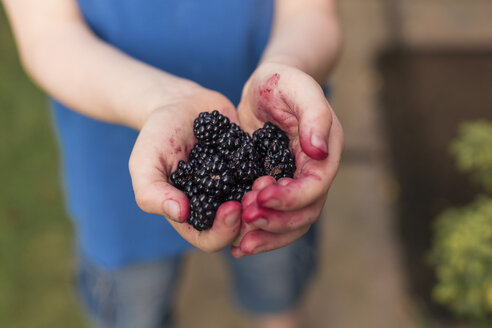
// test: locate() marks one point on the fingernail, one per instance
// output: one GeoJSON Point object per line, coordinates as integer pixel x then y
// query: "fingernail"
{"type": "Point", "coordinates": [260, 223]}
{"type": "Point", "coordinates": [318, 141]}
{"type": "Point", "coordinates": [272, 203]}
{"type": "Point", "coordinates": [231, 220]}
{"type": "Point", "coordinates": [172, 209]}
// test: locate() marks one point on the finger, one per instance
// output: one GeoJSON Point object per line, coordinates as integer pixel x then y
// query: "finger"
{"type": "Point", "coordinates": [245, 228]}
{"type": "Point", "coordinates": [314, 180]}
{"type": "Point", "coordinates": [313, 113]}
{"type": "Point", "coordinates": [249, 198]}
{"type": "Point", "coordinates": [224, 230]}
{"type": "Point", "coordinates": [279, 221]}
{"type": "Point", "coordinates": [263, 182]}
{"type": "Point", "coordinates": [296, 195]}
{"type": "Point", "coordinates": [258, 241]}
{"type": "Point", "coordinates": [284, 181]}
{"type": "Point", "coordinates": [236, 251]}
{"type": "Point", "coordinates": [155, 195]}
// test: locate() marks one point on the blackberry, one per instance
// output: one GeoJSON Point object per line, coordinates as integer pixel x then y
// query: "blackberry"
{"type": "Point", "coordinates": [207, 127]}
{"type": "Point", "coordinates": [237, 192]}
{"type": "Point", "coordinates": [280, 164]}
{"type": "Point", "coordinates": [201, 152]}
{"type": "Point", "coordinates": [225, 162]}
{"type": "Point", "coordinates": [214, 178]}
{"type": "Point", "coordinates": [182, 175]}
{"type": "Point", "coordinates": [232, 139]}
{"type": "Point", "coordinates": [270, 137]}
{"type": "Point", "coordinates": [272, 145]}
{"type": "Point", "coordinates": [245, 162]}
{"type": "Point", "coordinates": [202, 211]}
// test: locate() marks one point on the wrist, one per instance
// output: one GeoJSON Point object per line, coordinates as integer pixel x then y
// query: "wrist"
{"type": "Point", "coordinates": [187, 98]}
{"type": "Point", "coordinates": [162, 95]}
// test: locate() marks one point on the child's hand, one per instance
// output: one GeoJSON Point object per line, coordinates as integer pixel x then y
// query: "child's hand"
{"type": "Point", "coordinates": [166, 138]}
{"type": "Point", "coordinates": [277, 213]}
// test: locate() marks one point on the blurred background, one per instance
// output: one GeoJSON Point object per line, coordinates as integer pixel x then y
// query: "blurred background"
{"type": "Point", "coordinates": [407, 229]}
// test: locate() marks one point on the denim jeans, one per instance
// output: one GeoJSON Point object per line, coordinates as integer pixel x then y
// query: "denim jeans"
{"type": "Point", "coordinates": [141, 295]}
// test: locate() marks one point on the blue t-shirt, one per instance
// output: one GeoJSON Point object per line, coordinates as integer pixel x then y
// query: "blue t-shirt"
{"type": "Point", "coordinates": [216, 43]}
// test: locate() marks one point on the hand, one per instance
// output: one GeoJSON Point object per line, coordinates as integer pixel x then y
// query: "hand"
{"type": "Point", "coordinates": [276, 213]}
{"type": "Point", "coordinates": [166, 138]}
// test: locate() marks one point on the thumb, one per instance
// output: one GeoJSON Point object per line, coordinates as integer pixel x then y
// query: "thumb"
{"type": "Point", "coordinates": [159, 197]}
{"type": "Point", "coordinates": [315, 119]}
{"type": "Point", "coordinates": [313, 113]}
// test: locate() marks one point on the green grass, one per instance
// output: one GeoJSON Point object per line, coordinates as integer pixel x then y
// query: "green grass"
{"type": "Point", "coordinates": [35, 233]}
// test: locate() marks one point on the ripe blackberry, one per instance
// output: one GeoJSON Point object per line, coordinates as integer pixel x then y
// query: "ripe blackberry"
{"type": "Point", "coordinates": [226, 161]}
{"type": "Point", "coordinates": [237, 192]}
{"type": "Point", "coordinates": [272, 145]}
{"type": "Point", "coordinates": [207, 127]}
{"type": "Point", "coordinates": [245, 162]}
{"type": "Point", "coordinates": [232, 139]}
{"type": "Point", "coordinates": [213, 178]}
{"type": "Point", "coordinates": [270, 137]}
{"type": "Point", "coordinates": [202, 211]}
{"type": "Point", "coordinates": [201, 152]}
{"type": "Point", "coordinates": [280, 164]}
{"type": "Point", "coordinates": [182, 175]}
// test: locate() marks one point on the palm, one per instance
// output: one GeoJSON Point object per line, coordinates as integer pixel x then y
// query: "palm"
{"type": "Point", "coordinates": [262, 102]}
{"type": "Point", "coordinates": [278, 212]}
{"type": "Point", "coordinates": [165, 139]}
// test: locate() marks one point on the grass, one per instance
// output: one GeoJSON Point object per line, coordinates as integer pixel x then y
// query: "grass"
{"type": "Point", "coordinates": [35, 233]}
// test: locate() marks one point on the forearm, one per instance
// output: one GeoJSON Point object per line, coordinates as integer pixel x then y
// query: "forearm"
{"type": "Point", "coordinates": [86, 74]}
{"type": "Point", "coordinates": [100, 81]}
{"type": "Point", "coordinates": [306, 35]}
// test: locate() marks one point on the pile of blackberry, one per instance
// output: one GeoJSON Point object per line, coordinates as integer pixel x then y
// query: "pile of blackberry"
{"type": "Point", "coordinates": [225, 162]}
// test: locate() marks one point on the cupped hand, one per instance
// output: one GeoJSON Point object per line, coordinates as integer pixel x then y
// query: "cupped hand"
{"type": "Point", "coordinates": [276, 213]}
{"type": "Point", "coordinates": [166, 138]}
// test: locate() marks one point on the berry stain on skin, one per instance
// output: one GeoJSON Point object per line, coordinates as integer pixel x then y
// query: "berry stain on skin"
{"type": "Point", "coordinates": [273, 106]}
{"type": "Point", "coordinates": [266, 90]}
{"type": "Point", "coordinates": [265, 93]}
{"type": "Point", "coordinates": [176, 149]}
